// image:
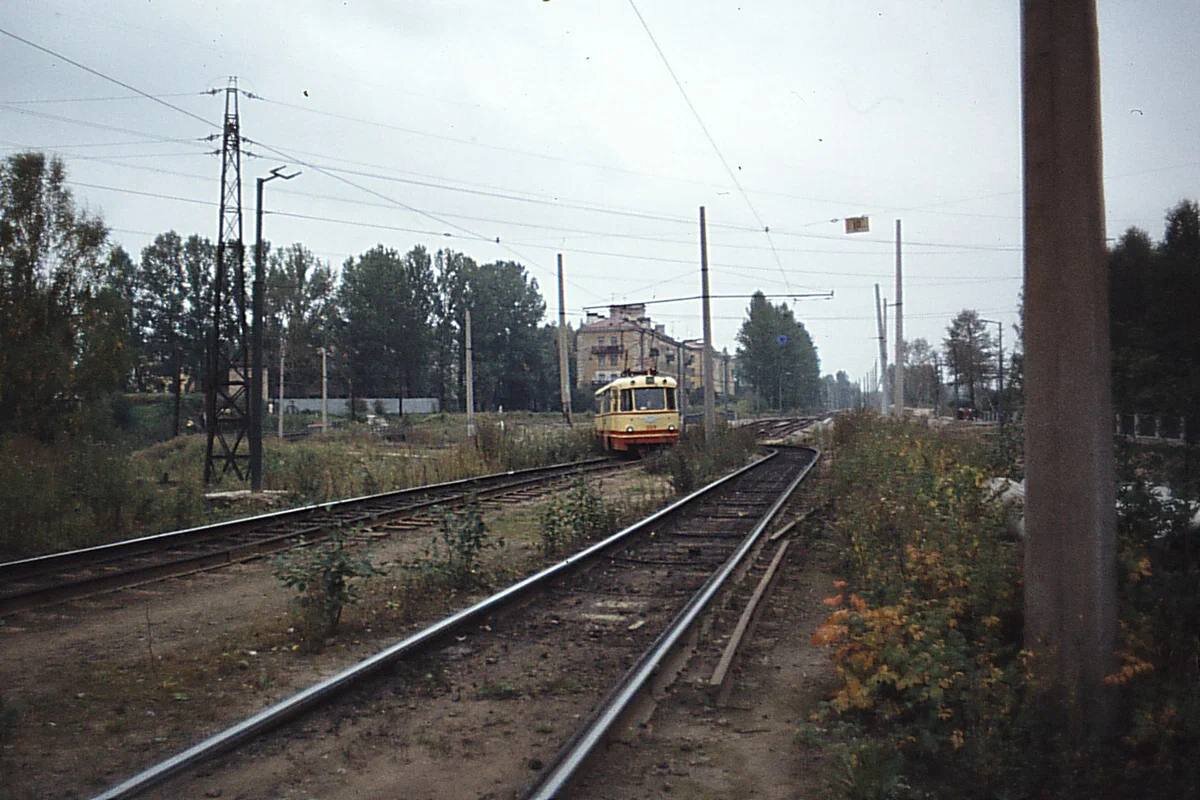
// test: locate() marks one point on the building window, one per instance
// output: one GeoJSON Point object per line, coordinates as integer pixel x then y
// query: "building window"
{"type": "Point", "coordinates": [612, 340]}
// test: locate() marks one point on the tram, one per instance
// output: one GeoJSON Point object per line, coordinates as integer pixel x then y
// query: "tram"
{"type": "Point", "coordinates": [637, 412]}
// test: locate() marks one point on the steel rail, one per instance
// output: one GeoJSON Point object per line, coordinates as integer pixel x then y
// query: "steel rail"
{"type": "Point", "coordinates": [571, 758]}
{"type": "Point", "coordinates": [23, 567]}
{"type": "Point", "coordinates": [224, 547]}
{"type": "Point", "coordinates": [313, 696]}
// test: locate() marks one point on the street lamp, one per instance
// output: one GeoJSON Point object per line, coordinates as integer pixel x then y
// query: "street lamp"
{"type": "Point", "coordinates": [256, 342]}
{"type": "Point", "coordinates": [1000, 373]}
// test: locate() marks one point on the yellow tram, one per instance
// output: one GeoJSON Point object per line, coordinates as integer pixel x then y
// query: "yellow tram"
{"type": "Point", "coordinates": [637, 411]}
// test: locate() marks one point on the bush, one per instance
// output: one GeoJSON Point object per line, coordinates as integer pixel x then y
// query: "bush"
{"type": "Point", "coordinates": [514, 446]}
{"type": "Point", "coordinates": [576, 516]}
{"type": "Point", "coordinates": [324, 576]}
{"type": "Point", "coordinates": [454, 553]}
{"type": "Point", "coordinates": [926, 629]}
{"type": "Point", "coordinates": [694, 462]}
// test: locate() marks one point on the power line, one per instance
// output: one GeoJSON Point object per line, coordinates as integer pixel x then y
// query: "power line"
{"type": "Point", "coordinates": [275, 150]}
{"type": "Point", "coordinates": [150, 137]}
{"type": "Point", "coordinates": [468, 142]}
{"type": "Point", "coordinates": [719, 265]}
{"type": "Point", "coordinates": [50, 100]}
{"type": "Point", "coordinates": [109, 78]}
{"type": "Point", "coordinates": [709, 136]}
{"type": "Point", "coordinates": [516, 223]}
{"type": "Point", "coordinates": [77, 145]}
{"type": "Point", "coordinates": [105, 159]}
{"type": "Point", "coordinates": [623, 211]}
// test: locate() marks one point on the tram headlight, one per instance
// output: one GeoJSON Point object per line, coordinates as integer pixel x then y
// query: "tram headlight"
{"type": "Point", "coordinates": [670, 429]}
{"type": "Point", "coordinates": [629, 429]}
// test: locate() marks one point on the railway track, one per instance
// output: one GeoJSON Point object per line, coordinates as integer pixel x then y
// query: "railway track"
{"type": "Point", "coordinates": [54, 578]}
{"type": "Point", "coordinates": [576, 644]}
{"type": "Point", "coordinates": [774, 429]}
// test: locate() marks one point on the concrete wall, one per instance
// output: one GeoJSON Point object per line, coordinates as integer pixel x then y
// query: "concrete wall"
{"type": "Point", "coordinates": [340, 406]}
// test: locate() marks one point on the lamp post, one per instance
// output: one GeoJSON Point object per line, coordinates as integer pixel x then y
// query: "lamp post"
{"type": "Point", "coordinates": [1000, 372]}
{"type": "Point", "coordinates": [256, 341]}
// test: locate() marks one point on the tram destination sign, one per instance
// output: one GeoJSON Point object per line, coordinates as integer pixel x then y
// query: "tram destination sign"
{"type": "Point", "coordinates": [858, 224]}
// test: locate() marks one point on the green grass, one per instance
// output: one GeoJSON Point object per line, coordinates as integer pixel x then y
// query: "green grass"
{"type": "Point", "coordinates": [75, 493]}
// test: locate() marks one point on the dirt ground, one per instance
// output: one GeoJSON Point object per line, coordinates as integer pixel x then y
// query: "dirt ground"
{"type": "Point", "coordinates": [93, 690]}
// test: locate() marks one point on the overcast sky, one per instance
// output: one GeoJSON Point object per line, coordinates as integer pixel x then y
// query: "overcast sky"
{"type": "Point", "coordinates": [556, 127]}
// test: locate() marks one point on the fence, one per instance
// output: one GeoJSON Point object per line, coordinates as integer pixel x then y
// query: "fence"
{"type": "Point", "coordinates": [340, 406]}
{"type": "Point", "coordinates": [1152, 428]}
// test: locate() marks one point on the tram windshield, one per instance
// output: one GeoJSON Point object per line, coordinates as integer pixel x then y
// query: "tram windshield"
{"type": "Point", "coordinates": [650, 399]}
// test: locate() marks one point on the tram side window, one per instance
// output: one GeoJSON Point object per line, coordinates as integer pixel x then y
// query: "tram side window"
{"type": "Point", "coordinates": [670, 399]}
{"type": "Point", "coordinates": [627, 400]}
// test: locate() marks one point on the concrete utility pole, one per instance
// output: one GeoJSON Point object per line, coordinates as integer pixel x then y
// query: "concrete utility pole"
{"type": "Point", "coordinates": [725, 379]}
{"type": "Point", "coordinates": [564, 370]}
{"type": "Point", "coordinates": [710, 407]}
{"type": "Point", "coordinates": [937, 385]}
{"type": "Point", "coordinates": [898, 369]}
{"type": "Point", "coordinates": [882, 327]}
{"type": "Point", "coordinates": [282, 347]}
{"type": "Point", "coordinates": [324, 392]}
{"type": "Point", "coordinates": [257, 362]}
{"type": "Point", "coordinates": [1070, 575]}
{"type": "Point", "coordinates": [470, 381]}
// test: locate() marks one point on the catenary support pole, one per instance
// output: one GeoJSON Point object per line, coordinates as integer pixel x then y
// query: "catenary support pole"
{"type": "Point", "coordinates": [470, 376]}
{"type": "Point", "coordinates": [258, 363]}
{"type": "Point", "coordinates": [1070, 561]}
{"type": "Point", "coordinates": [882, 328]}
{"type": "Point", "coordinates": [282, 357]}
{"type": "Point", "coordinates": [255, 402]}
{"type": "Point", "coordinates": [725, 386]}
{"type": "Point", "coordinates": [324, 391]}
{"type": "Point", "coordinates": [1000, 396]}
{"type": "Point", "coordinates": [898, 367]}
{"type": "Point", "coordinates": [564, 370]}
{"type": "Point", "coordinates": [710, 407]}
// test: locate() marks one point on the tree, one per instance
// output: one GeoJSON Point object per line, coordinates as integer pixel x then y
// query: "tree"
{"type": "Point", "coordinates": [1154, 291]}
{"type": "Point", "coordinates": [840, 392]}
{"type": "Point", "coordinates": [513, 358]}
{"type": "Point", "coordinates": [920, 376]}
{"type": "Point", "coordinates": [199, 263]}
{"type": "Point", "coordinates": [506, 310]}
{"type": "Point", "coordinates": [970, 355]}
{"type": "Point", "coordinates": [776, 356]}
{"type": "Point", "coordinates": [387, 302]}
{"type": "Point", "coordinates": [301, 302]}
{"type": "Point", "coordinates": [120, 275]}
{"type": "Point", "coordinates": [160, 311]}
{"type": "Point", "coordinates": [50, 255]}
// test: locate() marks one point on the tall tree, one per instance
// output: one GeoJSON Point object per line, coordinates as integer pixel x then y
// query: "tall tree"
{"type": "Point", "coordinates": [161, 312]}
{"type": "Point", "coordinates": [452, 272]}
{"type": "Point", "coordinates": [1154, 294]}
{"type": "Point", "coordinates": [777, 357]}
{"type": "Point", "coordinates": [199, 262]}
{"type": "Point", "coordinates": [301, 304]}
{"type": "Point", "coordinates": [387, 303]}
{"type": "Point", "coordinates": [970, 354]}
{"type": "Point", "coordinates": [120, 275]}
{"type": "Point", "coordinates": [920, 376]}
{"type": "Point", "coordinates": [50, 256]}
{"type": "Point", "coordinates": [506, 309]}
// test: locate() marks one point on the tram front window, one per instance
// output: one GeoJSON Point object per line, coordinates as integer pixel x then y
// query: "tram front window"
{"type": "Point", "coordinates": [650, 399]}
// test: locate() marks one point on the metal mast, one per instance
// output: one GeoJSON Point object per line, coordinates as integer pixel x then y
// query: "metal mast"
{"type": "Point", "coordinates": [227, 407]}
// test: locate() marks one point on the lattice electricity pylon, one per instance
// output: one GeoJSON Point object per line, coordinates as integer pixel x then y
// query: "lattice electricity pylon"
{"type": "Point", "coordinates": [227, 387]}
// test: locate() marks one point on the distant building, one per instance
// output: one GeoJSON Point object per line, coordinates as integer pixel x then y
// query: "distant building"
{"type": "Point", "coordinates": [628, 339]}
